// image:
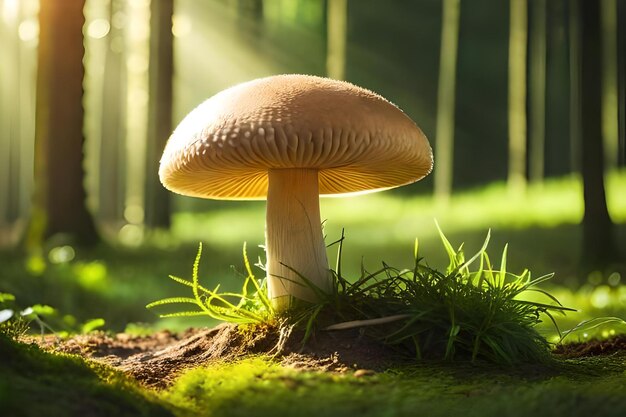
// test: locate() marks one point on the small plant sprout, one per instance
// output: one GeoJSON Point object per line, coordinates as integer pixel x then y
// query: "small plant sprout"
{"type": "Point", "coordinates": [251, 305]}
{"type": "Point", "coordinates": [290, 139]}
{"type": "Point", "coordinates": [16, 321]}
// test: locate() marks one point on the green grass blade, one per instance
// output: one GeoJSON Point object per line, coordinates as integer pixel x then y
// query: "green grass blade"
{"type": "Point", "coordinates": [478, 254]}
{"type": "Point", "coordinates": [546, 293]}
{"type": "Point", "coordinates": [591, 324]}
{"type": "Point", "coordinates": [452, 255]}
{"type": "Point", "coordinates": [183, 314]}
{"type": "Point", "coordinates": [503, 265]}
{"type": "Point", "coordinates": [172, 300]}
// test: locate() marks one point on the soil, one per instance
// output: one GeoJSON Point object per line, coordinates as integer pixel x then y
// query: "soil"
{"type": "Point", "coordinates": [614, 345]}
{"type": "Point", "coordinates": [156, 360]}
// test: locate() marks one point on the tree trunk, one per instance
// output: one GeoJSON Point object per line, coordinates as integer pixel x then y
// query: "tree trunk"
{"type": "Point", "coordinates": [10, 134]}
{"type": "Point", "coordinates": [112, 150]}
{"type": "Point", "coordinates": [599, 248]}
{"type": "Point", "coordinates": [537, 91]}
{"type": "Point", "coordinates": [610, 135]}
{"type": "Point", "coordinates": [621, 82]}
{"type": "Point", "coordinates": [517, 96]}
{"type": "Point", "coordinates": [444, 144]}
{"type": "Point", "coordinates": [59, 201]}
{"type": "Point", "coordinates": [574, 86]}
{"type": "Point", "coordinates": [157, 204]}
{"type": "Point", "coordinates": [337, 23]}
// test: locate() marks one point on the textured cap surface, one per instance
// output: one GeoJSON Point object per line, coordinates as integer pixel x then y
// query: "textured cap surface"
{"type": "Point", "coordinates": [355, 138]}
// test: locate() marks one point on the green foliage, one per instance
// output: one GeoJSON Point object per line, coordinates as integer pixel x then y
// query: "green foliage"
{"type": "Point", "coordinates": [600, 315]}
{"type": "Point", "coordinates": [251, 305]}
{"type": "Point", "coordinates": [16, 320]}
{"type": "Point", "coordinates": [460, 313]}
{"type": "Point", "coordinates": [12, 325]}
{"type": "Point", "coordinates": [594, 326]}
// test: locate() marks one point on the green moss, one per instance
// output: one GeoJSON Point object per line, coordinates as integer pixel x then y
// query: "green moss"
{"type": "Point", "coordinates": [37, 383]}
{"type": "Point", "coordinates": [260, 387]}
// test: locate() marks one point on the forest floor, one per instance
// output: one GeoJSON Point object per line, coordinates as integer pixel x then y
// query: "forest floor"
{"type": "Point", "coordinates": [157, 360]}
{"type": "Point", "coordinates": [226, 372]}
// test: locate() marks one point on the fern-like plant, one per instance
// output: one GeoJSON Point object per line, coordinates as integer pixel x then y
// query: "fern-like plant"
{"type": "Point", "coordinates": [251, 305]}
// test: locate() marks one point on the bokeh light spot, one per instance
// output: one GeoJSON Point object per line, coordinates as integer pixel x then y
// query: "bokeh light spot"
{"type": "Point", "coordinates": [61, 254]}
{"type": "Point", "coordinates": [98, 28]}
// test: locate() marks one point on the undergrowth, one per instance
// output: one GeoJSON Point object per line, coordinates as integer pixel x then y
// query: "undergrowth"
{"type": "Point", "coordinates": [34, 382]}
{"type": "Point", "coordinates": [472, 310]}
{"type": "Point", "coordinates": [16, 321]}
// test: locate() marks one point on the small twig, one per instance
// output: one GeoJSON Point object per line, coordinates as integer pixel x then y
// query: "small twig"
{"type": "Point", "coordinates": [362, 323]}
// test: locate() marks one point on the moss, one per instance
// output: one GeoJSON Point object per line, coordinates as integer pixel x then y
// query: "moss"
{"type": "Point", "coordinates": [35, 383]}
{"type": "Point", "coordinates": [261, 387]}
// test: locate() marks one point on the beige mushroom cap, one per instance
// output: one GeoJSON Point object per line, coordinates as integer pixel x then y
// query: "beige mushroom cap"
{"type": "Point", "coordinates": [355, 138]}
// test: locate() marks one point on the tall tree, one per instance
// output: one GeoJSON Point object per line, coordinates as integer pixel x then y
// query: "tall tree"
{"type": "Point", "coordinates": [599, 246]}
{"type": "Point", "coordinates": [337, 23]}
{"type": "Point", "coordinates": [574, 85]}
{"type": "Point", "coordinates": [518, 35]}
{"type": "Point", "coordinates": [610, 133]}
{"type": "Point", "coordinates": [537, 90]}
{"type": "Point", "coordinates": [10, 135]}
{"type": "Point", "coordinates": [444, 144]}
{"type": "Point", "coordinates": [59, 199]}
{"type": "Point", "coordinates": [157, 204]}
{"type": "Point", "coordinates": [621, 81]}
{"type": "Point", "coordinates": [112, 150]}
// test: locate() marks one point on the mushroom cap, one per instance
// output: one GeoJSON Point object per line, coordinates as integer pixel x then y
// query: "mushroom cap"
{"type": "Point", "coordinates": [357, 140]}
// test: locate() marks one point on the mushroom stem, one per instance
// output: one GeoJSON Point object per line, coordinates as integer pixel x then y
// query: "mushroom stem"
{"type": "Point", "coordinates": [293, 237]}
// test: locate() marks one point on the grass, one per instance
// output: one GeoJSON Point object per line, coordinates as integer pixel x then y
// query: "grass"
{"type": "Point", "coordinates": [465, 311]}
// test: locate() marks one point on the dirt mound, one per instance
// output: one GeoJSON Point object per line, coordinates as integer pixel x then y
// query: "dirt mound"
{"type": "Point", "coordinates": [157, 359]}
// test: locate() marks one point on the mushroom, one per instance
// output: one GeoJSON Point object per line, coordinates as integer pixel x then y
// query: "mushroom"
{"type": "Point", "coordinates": [290, 139]}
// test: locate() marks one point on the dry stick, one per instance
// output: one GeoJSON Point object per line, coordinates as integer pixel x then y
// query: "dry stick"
{"type": "Point", "coordinates": [362, 323]}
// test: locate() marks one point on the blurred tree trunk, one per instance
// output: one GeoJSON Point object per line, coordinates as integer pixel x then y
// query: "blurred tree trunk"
{"type": "Point", "coordinates": [59, 200]}
{"type": "Point", "coordinates": [337, 24]}
{"type": "Point", "coordinates": [444, 144]}
{"type": "Point", "coordinates": [621, 80]}
{"type": "Point", "coordinates": [518, 34]}
{"type": "Point", "coordinates": [599, 247]}
{"type": "Point", "coordinates": [112, 150]}
{"type": "Point", "coordinates": [608, 27]}
{"type": "Point", "coordinates": [574, 90]}
{"type": "Point", "coordinates": [537, 91]}
{"type": "Point", "coordinates": [157, 204]}
{"type": "Point", "coordinates": [9, 128]}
